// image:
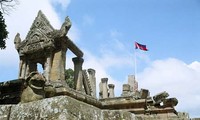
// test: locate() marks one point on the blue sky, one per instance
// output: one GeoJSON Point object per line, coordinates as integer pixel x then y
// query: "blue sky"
{"type": "Point", "coordinates": [106, 32]}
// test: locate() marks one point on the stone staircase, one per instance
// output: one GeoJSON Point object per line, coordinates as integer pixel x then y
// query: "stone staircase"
{"type": "Point", "coordinates": [86, 83]}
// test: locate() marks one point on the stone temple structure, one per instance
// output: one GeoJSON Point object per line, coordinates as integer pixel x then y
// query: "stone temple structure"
{"type": "Point", "coordinates": [47, 96]}
{"type": "Point", "coordinates": [46, 46]}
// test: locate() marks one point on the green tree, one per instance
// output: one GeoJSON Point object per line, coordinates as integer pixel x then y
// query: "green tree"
{"type": "Point", "coordinates": [69, 77]}
{"type": "Point", "coordinates": [5, 7]}
{"type": "Point", "coordinates": [3, 32]}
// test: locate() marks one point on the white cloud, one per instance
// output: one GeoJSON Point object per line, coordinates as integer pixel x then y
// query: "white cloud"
{"type": "Point", "coordinates": [195, 66]}
{"type": "Point", "coordinates": [74, 33]}
{"type": "Point", "coordinates": [63, 3]}
{"type": "Point", "coordinates": [179, 79]}
{"type": "Point", "coordinates": [115, 35]}
{"type": "Point", "coordinates": [109, 59]}
{"type": "Point", "coordinates": [94, 62]}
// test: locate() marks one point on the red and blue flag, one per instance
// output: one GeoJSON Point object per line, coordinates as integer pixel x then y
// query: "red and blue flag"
{"type": "Point", "coordinates": [140, 46]}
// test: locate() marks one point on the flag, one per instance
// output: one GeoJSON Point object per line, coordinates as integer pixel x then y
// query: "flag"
{"type": "Point", "coordinates": [140, 46]}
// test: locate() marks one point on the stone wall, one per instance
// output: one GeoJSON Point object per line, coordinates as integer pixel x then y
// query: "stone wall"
{"type": "Point", "coordinates": [60, 108]}
{"type": "Point", "coordinates": [67, 108]}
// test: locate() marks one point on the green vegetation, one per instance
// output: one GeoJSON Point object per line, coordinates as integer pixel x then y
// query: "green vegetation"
{"type": "Point", "coordinates": [5, 7]}
{"type": "Point", "coordinates": [69, 77]}
{"type": "Point", "coordinates": [3, 32]}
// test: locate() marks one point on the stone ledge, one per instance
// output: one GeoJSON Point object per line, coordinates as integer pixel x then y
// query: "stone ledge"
{"type": "Point", "coordinates": [60, 108]}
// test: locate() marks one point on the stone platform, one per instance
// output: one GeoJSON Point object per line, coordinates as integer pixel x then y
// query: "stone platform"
{"type": "Point", "coordinates": [60, 108]}
{"type": "Point", "coordinates": [68, 108]}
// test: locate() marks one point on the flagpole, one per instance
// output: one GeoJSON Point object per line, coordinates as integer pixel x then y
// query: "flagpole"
{"type": "Point", "coordinates": [141, 47]}
{"type": "Point", "coordinates": [135, 62]}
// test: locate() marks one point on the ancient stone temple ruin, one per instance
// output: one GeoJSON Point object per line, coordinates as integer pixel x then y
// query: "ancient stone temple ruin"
{"type": "Point", "coordinates": [47, 96]}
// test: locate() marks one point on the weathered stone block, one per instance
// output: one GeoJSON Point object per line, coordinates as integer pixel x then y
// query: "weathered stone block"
{"type": "Point", "coordinates": [160, 97]}
{"type": "Point", "coordinates": [118, 115]}
{"type": "Point", "coordinates": [63, 108]}
{"type": "Point", "coordinates": [144, 93]}
{"type": "Point", "coordinates": [4, 112]}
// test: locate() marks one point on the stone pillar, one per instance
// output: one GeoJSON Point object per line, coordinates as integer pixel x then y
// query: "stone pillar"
{"type": "Point", "coordinates": [144, 93]}
{"type": "Point", "coordinates": [111, 90]}
{"type": "Point", "coordinates": [58, 63]}
{"type": "Point", "coordinates": [47, 67]}
{"type": "Point", "coordinates": [27, 72]}
{"type": "Point", "coordinates": [104, 86]}
{"type": "Point", "coordinates": [30, 67]}
{"type": "Point", "coordinates": [126, 90]}
{"type": "Point", "coordinates": [100, 90]}
{"type": "Point", "coordinates": [79, 82]}
{"type": "Point", "coordinates": [20, 68]}
{"type": "Point", "coordinates": [133, 84]}
{"type": "Point", "coordinates": [78, 62]}
{"type": "Point", "coordinates": [23, 69]}
{"type": "Point", "coordinates": [92, 80]}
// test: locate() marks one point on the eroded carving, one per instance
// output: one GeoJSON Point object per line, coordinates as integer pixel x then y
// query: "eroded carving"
{"type": "Point", "coordinates": [33, 88]}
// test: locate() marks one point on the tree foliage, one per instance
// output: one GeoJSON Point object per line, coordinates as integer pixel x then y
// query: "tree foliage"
{"type": "Point", "coordinates": [3, 32]}
{"type": "Point", "coordinates": [69, 77]}
{"type": "Point", "coordinates": [5, 7]}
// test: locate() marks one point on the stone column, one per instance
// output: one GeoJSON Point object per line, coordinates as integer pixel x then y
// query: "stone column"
{"type": "Point", "coordinates": [27, 72]}
{"type": "Point", "coordinates": [22, 72]}
{"type": "Point", "coordinates": [100, 90]}
{"type": "Point", "coordinates": [47, 67]}
{"type": "Point", "coordinates": [144, 93]}
{"type": "Point", "coordinates": [79, 82]}
{"type": "Point", "coordinates": [111, 90]}
{"type": "Point", "coordinates": [104, 86]}
{"type": "Point", "coordinates": [78, 62]}
{"type": "Point", "coordinates": [133, 84]}
{"type": "Point", "coordinates": [92, 79]}
{"type": "Point", "coordinates": [20, 68]}
{"type": "Point", "coordinates": [126, 90]}
{"type": "Point", "coordinates": [58, 61]}
{"type": "Point", "coordinates": [30, 67]}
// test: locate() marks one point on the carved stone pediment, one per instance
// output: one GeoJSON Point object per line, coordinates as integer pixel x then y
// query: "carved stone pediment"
{"type": "Point", "coordinates": [37, 38]}
{"type": "Point", "coordinates": [46, 46]}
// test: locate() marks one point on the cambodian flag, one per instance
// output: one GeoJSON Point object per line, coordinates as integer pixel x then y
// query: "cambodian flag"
{"type": "Point", "coordinates": [140, 46]}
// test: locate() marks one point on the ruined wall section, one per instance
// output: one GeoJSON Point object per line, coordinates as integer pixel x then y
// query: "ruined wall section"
{"type": "Point", "coordinates": [67, 108]}
{"type": "Point", "coordinates": [60, 108]}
